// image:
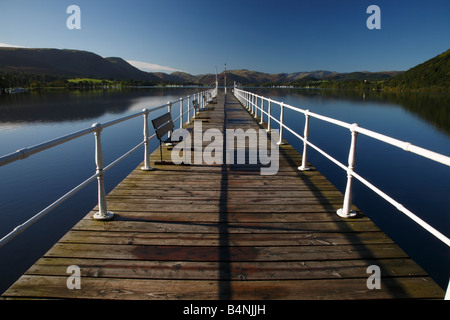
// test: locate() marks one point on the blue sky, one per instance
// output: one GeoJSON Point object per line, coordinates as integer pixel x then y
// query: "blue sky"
{"type": "Point", "coordinates": [197, 36]}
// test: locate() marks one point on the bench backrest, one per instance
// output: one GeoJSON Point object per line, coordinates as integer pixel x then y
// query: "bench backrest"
{"type": "Point", "coordinates": [163, 124]}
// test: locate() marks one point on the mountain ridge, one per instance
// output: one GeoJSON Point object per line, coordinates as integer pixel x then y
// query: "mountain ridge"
{"type": "Point", "coordinates": [70, 63]}
{"type": "Point", "coordinates": [79, 63]}
{"type": "Point", "coordinates": [433, 74]}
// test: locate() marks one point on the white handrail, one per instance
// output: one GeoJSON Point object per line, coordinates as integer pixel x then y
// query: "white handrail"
{"type": "Point", "coordinates": [246, 98]}
{"type": "Point", "coordinates": [26, 152]}
{"type": "Point", "coordinates": [395, 142]}
{"type": "Point", "coordinates": [100, 170]}
{"type": "Point", "coordinates": [22, 227]}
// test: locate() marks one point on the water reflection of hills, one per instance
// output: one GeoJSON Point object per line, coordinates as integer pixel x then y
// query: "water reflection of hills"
{"type": "Point", "coordinates": [49, 107]}
{"type": "Point", "coordinates": [84, 105]}
{"type": "Point", "coordinates": [433, 108]}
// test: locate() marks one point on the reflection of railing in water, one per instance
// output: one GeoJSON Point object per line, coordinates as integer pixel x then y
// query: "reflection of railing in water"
{"type": "Point", "coordinates": [203, 97]}
{"type": "Point", "coordinates": [256, 103]}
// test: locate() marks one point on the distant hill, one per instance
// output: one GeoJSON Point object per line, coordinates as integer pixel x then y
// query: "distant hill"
{"type": "Point", "coordinates": [244, 76]}
{"type": "Point", "coordinates": [362, 75]}
{"type": "Point", "coordinates": [127, 71]}
{"type": "Point", "coordinates": [61, 64]}
{"type": "Point", "coordinates": [432, 75]}
{"type": "Point", "coordinates": [320, 74]}
{"type": "Point", "coordinates": [177, 76]}
{"type": "Point", "coordinates": [76, 63]}
{"type": "Point", "coordinates": [68, 63]}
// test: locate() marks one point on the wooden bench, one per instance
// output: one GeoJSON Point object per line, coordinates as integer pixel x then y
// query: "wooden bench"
{"type": "Point", "coordinates": [164, 125]}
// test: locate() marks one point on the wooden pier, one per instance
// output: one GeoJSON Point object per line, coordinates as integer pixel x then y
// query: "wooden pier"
{"type": "Point", "coordinates": [225, 232]}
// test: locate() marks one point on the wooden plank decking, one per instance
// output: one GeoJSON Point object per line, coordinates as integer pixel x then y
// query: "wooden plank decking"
{"type": "Point", "coordinates": [225, 232]}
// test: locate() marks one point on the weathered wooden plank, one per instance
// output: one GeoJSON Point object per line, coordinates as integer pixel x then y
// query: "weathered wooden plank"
{"type": "Point", "coordinates": [232, 239]}
{"type": "Point", "coordinates": [225, 254]}
{"type": "Point", "coordinates": [244, 204]}
{"type": "Point", "coordinates": [133, 289]}
{"type": "Point", "coordinates": [255, 270]}
{"type": "Point", "coordinates": [205, 227]}
{"type": "Point", "coordinates": [246, 181]}
{"type": "Point", "coordinates": [213, 170]}
{"type": "Point", "coordinates": [200, 217]}
{"type": "Point", "coordinates": [230, 208]}
{"type": "Point", "coordinates": [218, 186]}
{"type": "Point", "coordinates": [232, 194]}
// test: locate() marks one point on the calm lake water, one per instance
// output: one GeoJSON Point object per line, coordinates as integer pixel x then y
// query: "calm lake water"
{"type": "Point", "coordinates": [29, 185]}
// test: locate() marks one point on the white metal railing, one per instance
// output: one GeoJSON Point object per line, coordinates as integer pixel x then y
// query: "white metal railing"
{"type": "Point", "coordinates": [103, 214]}
{"type": "Point", "coordinates": [251, 100]}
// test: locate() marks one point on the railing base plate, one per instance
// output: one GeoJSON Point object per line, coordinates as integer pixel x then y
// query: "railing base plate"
{"type": "Point", "coordinates": [147, 169]}
{"type": "Point", "coordinates": [343, 214]}
{"type": "Point", "coordinates": [109, 215]}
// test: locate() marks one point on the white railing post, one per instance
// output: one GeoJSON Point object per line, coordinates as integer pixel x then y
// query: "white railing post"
{"type": "Point", "coordinates": [346, 211]}
{"type": "Point", "coordinates": [197, 97]}
{"type": "Point", "coordinates": [254, 105]}
{"type": "Point", "coordinates": [147, 166]}
{"type": "Point", "coordinates": [281, 122]}
{"type": "Point", "coordinates": [188, 110]}
{"type": "Point", "coordinates": [169, 110]}
{"type": "Point", "coordinates": [248, 101]}
{"type": "Point", "coordinates": [304, 167]}
{"type": "Point", "coordinates": [181, 113]}
{"type": "Point", "coordinates": [103, 213]}
{"type": "Point", "coordinates": [269, 116]}
{"type": "Point", "coordinates": [194, 114]}
{"type": "Point", "coordinates": [203, 98]}
{"type": "Point", "coordinates": [262, 108]}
